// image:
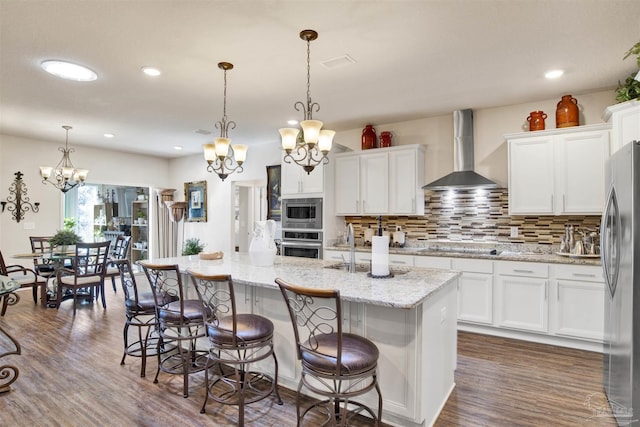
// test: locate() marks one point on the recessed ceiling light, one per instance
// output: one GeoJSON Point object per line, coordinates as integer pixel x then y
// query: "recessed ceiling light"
{"type": "Point", "coordinates": [177, 147]}
{"type": "Point", "coordinates": [69, 70]}
{"type": "Point", "coordinates": [109, 135]}
{"type": "Point", "coordinates": [553, 74]}
{"type": "Point", "coordinates": [292, 122]}
{"type": "Point", "coordinates": [150, 71]}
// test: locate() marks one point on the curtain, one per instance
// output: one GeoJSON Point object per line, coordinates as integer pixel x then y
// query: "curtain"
{"type": "Point", "coordinates": [166, 245]}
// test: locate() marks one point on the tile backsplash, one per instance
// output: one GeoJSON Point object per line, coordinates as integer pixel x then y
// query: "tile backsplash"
{"type": "Point", "coordinates": [476, 215]}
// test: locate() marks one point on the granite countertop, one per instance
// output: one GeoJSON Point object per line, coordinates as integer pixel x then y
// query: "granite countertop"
{"type": "Point", "coordinates": [407, 289]}
{"type": "Point", "coordinates": [482, 251]}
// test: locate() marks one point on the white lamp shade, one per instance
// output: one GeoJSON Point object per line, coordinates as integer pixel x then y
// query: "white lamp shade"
{"type": "Point", "coordinates": [222, 146]}
{"type": "Point", "coordinates": [311, 130]}
{"type": "Point", "coordinates": [81, 174]}
{"type": "Point", "coordinates": [209, 152]}
{"type": "Point", "coordinates": [67, 172]}
{"type": "Point", "coordinates": [289, 137]}
{"type": "Point", "coordinates": [326, 139]}
{"type": "Point", "coordinates": [240, 153]}
{"type": "Point", "coordinates": [45, 171]}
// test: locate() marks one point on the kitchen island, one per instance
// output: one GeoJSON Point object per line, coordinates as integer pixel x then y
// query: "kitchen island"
{"type": "Point", "coordinates": [411, 317]}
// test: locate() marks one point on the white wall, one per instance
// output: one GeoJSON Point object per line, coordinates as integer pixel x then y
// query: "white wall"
{"type": "Point", "coordinates": [217, 231]}
{"type": "Point", "coordinates": [26, 155]}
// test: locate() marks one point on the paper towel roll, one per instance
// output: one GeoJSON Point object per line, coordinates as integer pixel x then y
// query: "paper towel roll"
{"type": "Point", "coordinates": [380, 256]}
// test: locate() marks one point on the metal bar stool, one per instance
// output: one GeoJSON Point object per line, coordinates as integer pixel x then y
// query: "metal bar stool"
{"type": "Point", "coordinates": [335, 365]}
{"type": "Point", "coordinates": [236, 341]}
{"type": "Point", "coordinates": [140, 311]}
{"type": "Point", "coordinates": [181, 324]}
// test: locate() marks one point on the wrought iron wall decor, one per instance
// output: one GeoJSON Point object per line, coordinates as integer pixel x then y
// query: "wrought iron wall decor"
{"type": "Point", "coordinates": [18, 201]}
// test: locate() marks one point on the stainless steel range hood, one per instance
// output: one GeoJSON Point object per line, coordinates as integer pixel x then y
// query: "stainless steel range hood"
{"type": "Point", "coordinates": [463, 176]}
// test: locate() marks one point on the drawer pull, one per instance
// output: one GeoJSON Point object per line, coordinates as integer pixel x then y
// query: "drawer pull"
{"type": "Point", "coordinates": [522, 271]}
{"type": "Point", "coordinates": [398, 262]}
{"type": "Point", "coordinates": [584, 275]}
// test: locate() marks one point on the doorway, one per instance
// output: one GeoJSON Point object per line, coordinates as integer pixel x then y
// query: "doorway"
{"type": "Point", "coordinates": [249, 205]}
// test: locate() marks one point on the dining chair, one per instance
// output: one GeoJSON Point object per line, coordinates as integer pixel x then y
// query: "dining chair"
{"type": "Point", "coordinates": [43, 266]}
{"type": "Point", "coordinates": [87, 274]}
{"type": "Point", "coordinates": [119, 251]}
{"type": "Point", "coordinates": [237, 340]}
{"type": "Point", "coordinates": [335, 365]}
{"type": "Point", "coordinates": [181, 324]}
{"type": "Point", "coordinates": [140, 312]}
{"type": "Point", "coordinates": [27, 278]}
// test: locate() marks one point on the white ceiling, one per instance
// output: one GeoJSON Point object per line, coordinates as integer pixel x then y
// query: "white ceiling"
{"type": "Point", "coordinates": [412, 59]}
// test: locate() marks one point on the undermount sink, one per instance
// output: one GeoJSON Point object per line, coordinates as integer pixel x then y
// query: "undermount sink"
{"type": "Point", "coordinates": [361, 268]}
{"type": "Point", "coordinates": [463, 251]}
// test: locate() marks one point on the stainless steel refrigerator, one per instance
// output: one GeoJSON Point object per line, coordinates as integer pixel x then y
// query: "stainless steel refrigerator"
{"type": "Point", "coordinates": [620, 251]}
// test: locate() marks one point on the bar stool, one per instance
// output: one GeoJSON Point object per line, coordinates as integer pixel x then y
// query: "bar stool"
{"type": "Point", "coordinates": [336, 365]}
{"type": "Point", "coordinates": [236, 340]}
{"type": "Point", "coordinates": [140, 311]}
{"type": "Point", "coordinates": [181, 324]}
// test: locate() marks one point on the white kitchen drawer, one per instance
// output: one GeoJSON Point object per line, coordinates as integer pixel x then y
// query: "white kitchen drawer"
{"type": "Point", "coordinates": [432, 262]}
{"type": "Point", "coordinates": [584, 273]}
{"type": "Point", "coordinates": [472, 265]}
{"type": "Point", "coordinates": [401, 260]}
{"type": "Point", "coordinates": [335, 255]}
{"type": "Point", "coordinates": [524, 269]}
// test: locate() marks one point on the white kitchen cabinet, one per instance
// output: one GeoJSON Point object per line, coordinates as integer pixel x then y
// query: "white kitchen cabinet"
{"type": "Point", "coordinates": [384, 181]}
{"type": "Point", "coordinates": [295, 181]}
{"type": "Point", "coordinates": [394, 259]}
{"type": "Point", "coordinates": [347, 184]}
{"type": "Point", "coordinates": [625, 123]}
{"type": "Point", "coordinates": [522, 291]}
{"type": "Point", "coordinates": [406, 177]}
{"type": "Point", "coordinates": [442, 263]}
{"type": "Point", "coordinates": [335, 255]}
{"type": "Point", "coordinates": [475, 290]}
{"type": "Point", "coordinates": [559, 171]}
{"type": "Point", "coordinates": [374, 183]}
{"type": "Point", "coordinates": [578, 302]}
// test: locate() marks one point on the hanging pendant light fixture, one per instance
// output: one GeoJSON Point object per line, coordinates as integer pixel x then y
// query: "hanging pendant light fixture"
{"type": "Point", "coordinates": [312, 148]}
{"type": "Point", "coordinates": [223, 158]}
{"type": "Point", "coordinates": [64, 176]}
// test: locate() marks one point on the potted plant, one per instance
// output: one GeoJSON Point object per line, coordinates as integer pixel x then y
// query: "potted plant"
{"type": "Point", "coordinates": [630, 89]}
{"type": "Point", "coordinates": [64, 238]}
{"type": "Point", "coordinates": [192, 246]}
{"type": "Point", "coordinates": [141, 217]}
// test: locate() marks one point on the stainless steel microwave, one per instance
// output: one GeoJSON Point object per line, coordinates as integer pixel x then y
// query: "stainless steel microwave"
{"type": "Point", "coordinates": [302, 213]}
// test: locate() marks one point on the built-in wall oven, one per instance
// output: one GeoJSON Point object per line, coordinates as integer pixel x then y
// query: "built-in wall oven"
{"type": "Point", "coordinates": [301, 243]}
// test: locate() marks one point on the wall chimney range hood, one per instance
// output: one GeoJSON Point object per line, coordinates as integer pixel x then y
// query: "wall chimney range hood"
{"type": "Point", "coordinates": [463, 176]}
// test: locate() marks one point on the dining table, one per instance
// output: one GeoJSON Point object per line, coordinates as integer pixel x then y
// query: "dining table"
{"type": "Point", "coordinates": [8, 344]}
{"type": "Point", "coordinates": [57, 260]}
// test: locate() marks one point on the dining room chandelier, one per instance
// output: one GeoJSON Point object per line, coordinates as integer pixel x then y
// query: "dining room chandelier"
{"type": "Point", "coordinates": [310, 148]}
{"type": "Point", "coordinates": [223, 158]}
{"type": "Point", "coordinates": [64, 176]}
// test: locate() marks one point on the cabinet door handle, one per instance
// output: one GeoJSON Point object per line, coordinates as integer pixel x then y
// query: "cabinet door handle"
{"type": "Point", "coordinates": [564, 205]}
{"type": "Point", "coordinates": [557, 291]}
{"type": "Point", "coordinates": [584, 275]}
{"type": "Point", "coordinates": [552, 203]}
{"type": "Point", "coordinates": [398, 262]}
{"type": "Point", "coordinates": [546, 288]}
{"type": "Point", "coordinates": [515, 270]}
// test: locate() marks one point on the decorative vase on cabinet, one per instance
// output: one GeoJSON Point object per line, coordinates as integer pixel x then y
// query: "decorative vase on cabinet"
{"type": "Point", "coordinates": [368, 137]}
{"type": "Point", "coordinates": [567, 114]}
{"type": "Point", "coordinates": [536, 120]}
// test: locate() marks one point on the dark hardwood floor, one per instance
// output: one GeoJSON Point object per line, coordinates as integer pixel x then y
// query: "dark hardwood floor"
{"type": "Point", "coordinates": [70, 375]}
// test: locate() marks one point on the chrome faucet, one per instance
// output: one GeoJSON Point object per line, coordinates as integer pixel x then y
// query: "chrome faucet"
{"type": "Point", "coordinates": [352, 248]}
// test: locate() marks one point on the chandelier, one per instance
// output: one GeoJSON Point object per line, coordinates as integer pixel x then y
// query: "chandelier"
{"type": "Point", "coordinates": [223, 158]}
{"type": "Point", "coordinates": [313, 145]}
{"type": "Point", "coordinates": [64, 176]}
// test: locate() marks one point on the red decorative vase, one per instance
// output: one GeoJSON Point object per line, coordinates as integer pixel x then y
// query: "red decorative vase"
{"type": "Point", "coordinates": [385, 139]}
{"type": "Point", "coordinates": [536, 120]}
{"type": "Point", "coordinates": [368, 137]}
{"type": "Point", "coordinates": [567, 112]}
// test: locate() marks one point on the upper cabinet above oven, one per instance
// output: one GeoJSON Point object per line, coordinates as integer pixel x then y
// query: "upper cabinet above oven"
{"type": "Point", "coordinates": [295, 181]}
{"type": "Point", "coordinates": [384, 181]}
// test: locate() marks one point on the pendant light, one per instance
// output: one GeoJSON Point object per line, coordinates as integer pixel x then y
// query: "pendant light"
{"type": "Point", "coordinates": [223, 158]}
{"type": "Point", "coordinates": [311, 148]}
{"type": "Point", "coordinates": [64, 176]}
